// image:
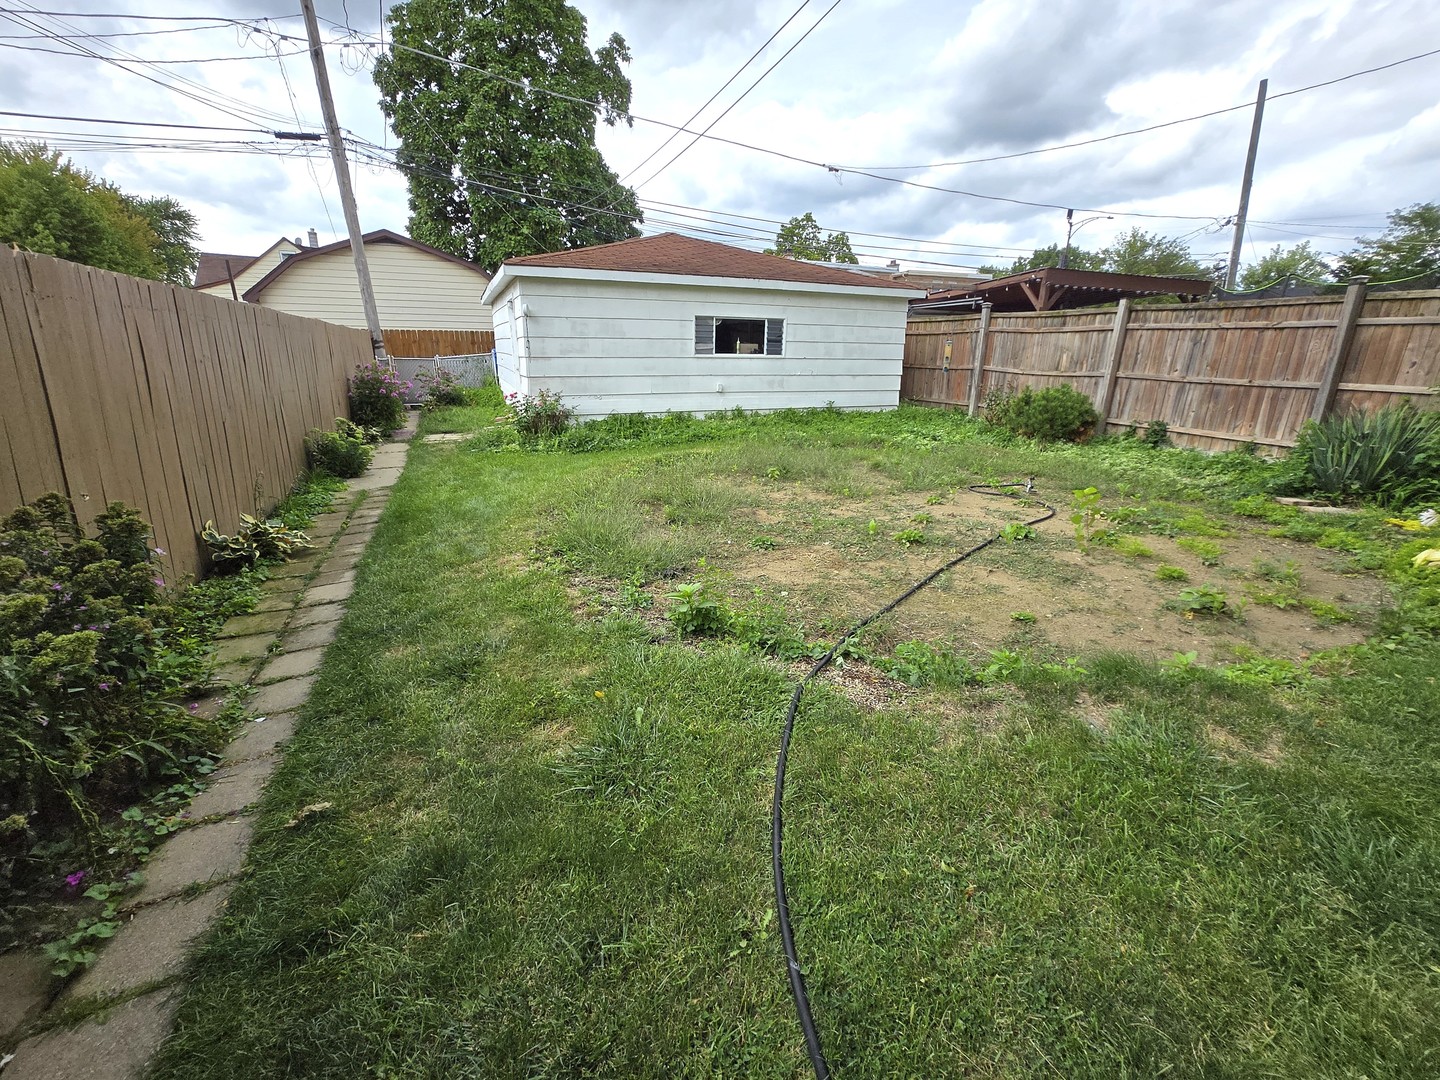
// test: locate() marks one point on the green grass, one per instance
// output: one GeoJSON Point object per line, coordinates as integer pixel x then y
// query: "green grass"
{"type": "Point", "coordinates": [548, 851]}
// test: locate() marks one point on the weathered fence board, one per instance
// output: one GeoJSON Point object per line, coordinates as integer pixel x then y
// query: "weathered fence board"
{"type": "Point", "coordinates": [186, 406]}
{"type": "Point", "coordinates": [1218, 375]}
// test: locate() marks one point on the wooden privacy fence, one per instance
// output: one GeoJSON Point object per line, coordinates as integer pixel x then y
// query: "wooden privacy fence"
{"type": "Point", "coordinates": [1220, 375]}
{"type": "Point", "coordinates": [186, 406]}
{"type": "Point", "coordinates": [425, 344]}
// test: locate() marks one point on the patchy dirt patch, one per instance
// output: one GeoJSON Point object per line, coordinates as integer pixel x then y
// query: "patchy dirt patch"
{"type": "Point", "coordinates": [1096, 714]}
{"type": "Point", "coordinates": [1232, 748]}
{"type": "Point", "coordinates": [862, 684]}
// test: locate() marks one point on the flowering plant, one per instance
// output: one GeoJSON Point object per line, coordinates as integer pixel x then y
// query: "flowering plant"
{"type": "Point", "coordinates": [542, 414]}
{"type": "Point", "coordinates": [88, 654]}
{"type": "Point", "coordinates": [440, 387]}
{"type": "Point", "coordinates": [377, 397]}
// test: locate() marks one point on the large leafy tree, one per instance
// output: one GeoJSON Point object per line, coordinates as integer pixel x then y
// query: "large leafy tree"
{"type": "Point", "coordinates": [49, 206]}
{"type": "Point", "coordinates": [1139, 252]}
{"type": "Point", "coordinates": [800, 238]}
{"type": "Point", "coordinates": [1047, 256]}
{"type": "Point", "coordinates": [1301, 261]}
{"type": "Point", "coordinates": [1409, 248]}
{"type": "Point", "coordinates": [497, 166]}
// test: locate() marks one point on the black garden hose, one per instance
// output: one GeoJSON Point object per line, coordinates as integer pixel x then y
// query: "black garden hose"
{"type": "Point", "coordinates": [777, 826]}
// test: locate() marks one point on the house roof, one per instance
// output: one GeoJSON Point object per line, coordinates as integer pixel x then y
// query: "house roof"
{"type": "Point", "coordinates": [671, 253]}
{"type": "Point", "coordinates": [211, 270]}
{"type": "Point", "coordinates": [378, 236]}
{"type": "Point", "coordinates": [1050, 288]}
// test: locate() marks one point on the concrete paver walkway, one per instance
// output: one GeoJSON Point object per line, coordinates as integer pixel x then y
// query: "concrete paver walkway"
{"type": "Point", "coordinates": [130, 993]}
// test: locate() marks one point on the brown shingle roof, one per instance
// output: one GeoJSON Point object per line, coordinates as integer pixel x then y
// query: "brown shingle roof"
{"type": "Point", "coordinates": [671, 253]}
{"type": "Point", "coordinates": [211, 270]}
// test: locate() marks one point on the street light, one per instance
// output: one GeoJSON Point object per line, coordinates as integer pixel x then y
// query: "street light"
{"type": "Point", "coordinates": [1071, 225]}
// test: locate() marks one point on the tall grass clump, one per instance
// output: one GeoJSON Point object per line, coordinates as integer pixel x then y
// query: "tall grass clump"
{"type": "Point", "coordinates": [1390, 456]}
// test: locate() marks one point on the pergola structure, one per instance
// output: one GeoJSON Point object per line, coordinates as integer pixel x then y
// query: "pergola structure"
{"type": "Point", "coordinates": [1052, 289]}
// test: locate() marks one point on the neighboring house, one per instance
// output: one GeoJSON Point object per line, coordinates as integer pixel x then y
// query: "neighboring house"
{"type": "Point", "coordinates": [672, 324]}
{"type": "Point", "coordinates": [214, 274]}
{"type": "Point", "coordinates": [417, 287]}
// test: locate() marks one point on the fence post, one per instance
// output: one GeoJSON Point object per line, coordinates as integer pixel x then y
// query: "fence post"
{"type": "Point", "coordinates": [977, 366]}
{"type": "Point", "coordinates": [1340, 348]}
{"type": "Point", "coordinates": [1113, 355]}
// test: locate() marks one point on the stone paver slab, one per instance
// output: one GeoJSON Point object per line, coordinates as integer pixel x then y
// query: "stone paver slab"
{"type": "Point", "coordinates": [339, 563]}
{"type": "Point", "coordinates": [151, 945]}
{"type": "Point", "coordinates": [233, 788]}
{"type": "Point", "coordinates": [204, 853]}
{"type": "Point", "coordinates": [281, 696]}
{"type": "Point", "coordinates": [376, 478]}
{"type": "Point", "coordinates": [327, 594]}
{"type": "Point", "coordinates": [322, 613]}
{"type": "Point", "coordinates": [348, 549]}
{"type": "Point", "coordinates": [309, 637]}
{"type": "Point", "coordinates": [289, 665]}
{"type": "Point", "coordinates": [236, 674]}
{"type": "Point", "coordinates": [266, 622]}
{"type": "Point", "coordinates": [25, 988]}
{"type": "Point", "coordinates": [117, 1045]}
{"type": "Point", "coordinates": [276, 601]}
{"type": "Point", "coordinates": [290, 570]}
{"type": "Point", "coordinates": [334, 577]}
{"type": "Point", "coordinates": [282, 585]}
{"type": "Point", "coordinates": [261, 736]}
{"type": "Point", "coordinates": [448, 436]}
{"type": "Point", "coordinates": [248, 647]}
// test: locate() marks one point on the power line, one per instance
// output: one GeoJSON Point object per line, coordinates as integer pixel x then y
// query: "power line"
{"type": "Point", "coordinates": [671, 137]}
{"type": "Point", "coordinates": [529, 87]}
{"type": "Point", "coordinates": [187, 60]}
{"type": "Point", "coordinates": [128, 123]}
{"type": "Point", "coordinates": [1153, 127]}
{"type": "Point", "coordinates": [742, 97]}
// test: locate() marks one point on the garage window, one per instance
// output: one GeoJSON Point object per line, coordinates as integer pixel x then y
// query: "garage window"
{"type": "Point", "coordinates": [717, 335]}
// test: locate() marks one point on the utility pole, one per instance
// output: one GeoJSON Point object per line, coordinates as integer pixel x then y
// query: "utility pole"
{"type": "Point", "coordinates": [342, 178]}
{"type": "Point", "coordinates": [1234, 268]}
{"type": "Point", "coordinates": [1069, 228]}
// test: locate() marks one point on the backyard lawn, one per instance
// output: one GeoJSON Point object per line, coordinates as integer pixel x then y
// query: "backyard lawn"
{"type": "Point", "coordinates": [1124, 797]}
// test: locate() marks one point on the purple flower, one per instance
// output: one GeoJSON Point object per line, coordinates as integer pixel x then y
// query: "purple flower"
{"type": "Point", "coordinates": [56, 587]}
{"type": "Point", "coordinates": [74, 879]}
{"type": "Point", "coordinates": [194, 706]}
{"type": "Point", "coordinates": [104, 686]}
{"type": "Point", "coordinates": [159, 551]}
{"type": "Point", "coordinates": [158, 580]}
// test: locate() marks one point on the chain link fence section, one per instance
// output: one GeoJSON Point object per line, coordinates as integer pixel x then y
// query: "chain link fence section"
{"type": "Point", "coordinates": [472, 369]}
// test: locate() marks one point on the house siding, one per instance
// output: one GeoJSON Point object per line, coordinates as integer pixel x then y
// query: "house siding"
{"type": "Point", "coordinates": [617, 346]}
{"type": "Point", "coordinates": [252, 273]}
{"type": "Point", "coordinates": [414, 290]}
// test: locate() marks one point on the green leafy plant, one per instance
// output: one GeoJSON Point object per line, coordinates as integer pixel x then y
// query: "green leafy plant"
{"type": "Point", "coordinates": [934, 500]}
{"type": "Point", "coordinates": [872, 528]}
{"type": "Point", "coordinates": [1017, 530]}
{"type": "Point", "coordinates": [344, 452]}
{"type": "Point", "coordinates": [1126, 545]}
{"type": "Point", "coordinates": [90, 653]}
{"type": "Point", "coordinates": [1201, 600]}
{"type": "Point", "coordinates": [76, 949]}
{"type": "Point", "coordinates": [694, 611]}
{"type": "Point", "coordinates": [254, 541]}
{"type": "Point", "coordinates": [1172, 573]}
{"type": "Point", "coordinates": [1056, 414]}
{"type": "Point", "coordinates": [764, 543]}
{"type": "Point", "coordinates": [907, 537]}
{"type": "Point", "coordinates": [1157, 434]}
{"type": "Point", "coordinates": [1084, 514]}
{"type": "Point", "coordinates": [922, 518]}
{"type": "Point", "coordinates": [633, 594]}
{"type": "Point", "coordinates": [1391, 455]}
{"type": "Point", "coordinates": [1207, 551]}
{"type": "Point", "coordinates": [1026, 617]}
{"type": "Point", "coordinates": [539, 414]}
{"type": "Point", "coordinates": [377, 397]}
{"type": "Point", "coordinates": [919, 663]}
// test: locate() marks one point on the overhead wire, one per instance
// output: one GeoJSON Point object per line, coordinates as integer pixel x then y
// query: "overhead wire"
{"type": "Point", "coordinates": [693, 116]}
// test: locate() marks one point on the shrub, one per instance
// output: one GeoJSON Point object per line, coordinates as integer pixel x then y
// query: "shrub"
{"type": "Point", "coordinates": [1391, 455]}
{"type": "Point", "coordinates": [377, 397]}
{"type": "Point", "coordinates": [255, 540]}
{"type": "Point", "coordinates": [344, 452]}
{"type": "Point", "coordinates": [695, 611]}
{"type": "Point", "coordinates": [88, 655]}
{"type": "Point", "coordinates": [1057, 414]}
{"type": "Point", "coordinates": [543, 414]}
{"type": "Point", "coordinates": [439, 388]}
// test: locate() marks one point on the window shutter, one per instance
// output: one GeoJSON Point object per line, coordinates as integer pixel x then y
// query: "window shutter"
{"type": "Point", "coordinates": [704, 335]}
{"type": "Point", "coordinates": [774, 337]}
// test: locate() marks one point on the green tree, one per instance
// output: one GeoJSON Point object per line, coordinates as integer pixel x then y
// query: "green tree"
{"type": "Point", "coordinates": [1049, 255]}
{"type": "Point", "coordinates": [1409, 248]}
{"type": "Point", "coordinates": [1301, 261]}
{"type": "Point", "coordinates": [498, 169]}
{"type": "Point", "coordinates": [800, 238]}
{"type": "Point", "coordinates": [49, 206]}
{"type": "Point", "coordinates": [175, 230]}
{"type": "Point", "coordinates": [1139, 252]}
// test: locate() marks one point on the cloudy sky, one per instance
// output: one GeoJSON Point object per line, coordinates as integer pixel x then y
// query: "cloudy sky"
{"type": "Point", "coordinates": [907, 90]}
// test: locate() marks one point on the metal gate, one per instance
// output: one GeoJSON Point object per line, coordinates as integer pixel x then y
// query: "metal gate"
{"type": "Point", "coordinates": [473, 369]}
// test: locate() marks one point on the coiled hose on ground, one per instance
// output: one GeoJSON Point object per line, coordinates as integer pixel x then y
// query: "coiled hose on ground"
{"type": "Point", "coordinates": [777, 826]}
